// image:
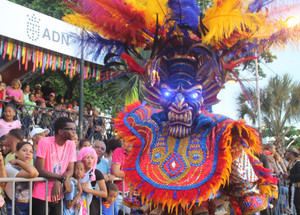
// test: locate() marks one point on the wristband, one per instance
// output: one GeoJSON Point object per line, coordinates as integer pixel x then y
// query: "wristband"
{"type": "Point", "coordinates": [62, 178]}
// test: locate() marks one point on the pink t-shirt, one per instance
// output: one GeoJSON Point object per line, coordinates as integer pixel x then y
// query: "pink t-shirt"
{"type": "Point", "coordinates": [1, 97]}
{"type": "Point", "coordinates": [57, 159]}
{"type": "Point", "coordinates": [5, 127]}
{"type": "Point", "coordinates": [11, 92]}
{"type": "Point", "coordinates": [118, 157]}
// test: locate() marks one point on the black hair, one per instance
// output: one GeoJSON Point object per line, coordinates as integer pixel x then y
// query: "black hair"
{"type": "Point", "coordinates": [58, 99]}
{"type": "Point", "coordinates": [2, 138]}
{"type": "Point", "coordinates": [21, 144]}
{"type": "Point", "coordinates": [294, 151]}
{"type": "Point", "coordinates": [38, 102]}
{"type": "Point", "coordinates": [111, 187]}
{"type": "Point", "coordinates": [61, 123]}
{"type": "Point", "coordinates": [17, 133]}
{"type": "Point", "coordinates": [112, 144]}
{"type": "Point", "coordinates": [25, 85]}
{"type": "Point", "coordinates": [11, 106]}
{"type": "Point", "coordinates": [82, 141]}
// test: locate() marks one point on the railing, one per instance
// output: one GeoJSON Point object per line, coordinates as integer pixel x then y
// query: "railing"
{"type": "Point", "coordinates": [14, 180]}
{"type": "Point", "coordinates": [40, 179]}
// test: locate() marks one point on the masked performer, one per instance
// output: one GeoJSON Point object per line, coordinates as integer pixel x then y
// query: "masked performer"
{"type": "Point", "coordinates": [184, 157]}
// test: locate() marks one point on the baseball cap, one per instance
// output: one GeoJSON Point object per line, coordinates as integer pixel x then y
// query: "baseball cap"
{"type": "Point", "coordinates": [97, 109]}
{"type": "Point", "coordinates": [38, 131]}
{"type": "Point", "coordinates": [293, 150]}
{"type": "Point", "coordinates": [52, 94]}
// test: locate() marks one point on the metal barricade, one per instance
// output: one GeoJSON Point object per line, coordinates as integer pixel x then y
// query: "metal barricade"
{"type": "Point", "coordinates": [30, 181]}
{"type": "Point", "coordinates": [40, 179]}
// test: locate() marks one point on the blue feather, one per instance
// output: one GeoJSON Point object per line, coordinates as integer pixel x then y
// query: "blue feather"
{"type": "Point", "coordinates": [185, 13]}
{"type": "Point", "coordinates": [258, 4]}
{"type": "Point", "coordinates": [96, 46]}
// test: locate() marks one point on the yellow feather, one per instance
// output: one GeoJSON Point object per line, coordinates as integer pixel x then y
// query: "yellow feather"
{"type": "Point", "coordinates": [151, 8]}
{"type": "Point", "coordinates": [81, 21]}
{"type": "Point", "coordinates": [229, 17]}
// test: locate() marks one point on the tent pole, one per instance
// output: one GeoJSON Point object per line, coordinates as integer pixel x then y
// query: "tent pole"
{"type": "Point", "coordinates": [81, 88]}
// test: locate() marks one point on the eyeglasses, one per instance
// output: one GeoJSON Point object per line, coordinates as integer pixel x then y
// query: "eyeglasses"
{"type": "Point", "coordinates": [70, 129]}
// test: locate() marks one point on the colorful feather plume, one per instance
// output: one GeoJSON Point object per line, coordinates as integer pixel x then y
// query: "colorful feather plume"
{"type": "Point", "coordinates": [117, 20]}
{"type": "Point", "coordinates": [152, 9]}
{"type": "Point", "coordinates": [231, 28]}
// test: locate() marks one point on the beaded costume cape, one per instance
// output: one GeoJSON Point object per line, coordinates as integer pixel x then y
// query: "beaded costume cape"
{"type": "Point", "coordinates": [190, 170]}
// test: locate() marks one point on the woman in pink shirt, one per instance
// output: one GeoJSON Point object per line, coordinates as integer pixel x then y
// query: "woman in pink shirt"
{"type": "Point", "coordinates": [8, 122]}
{"type": "Point", "coordinates": [14, 92]}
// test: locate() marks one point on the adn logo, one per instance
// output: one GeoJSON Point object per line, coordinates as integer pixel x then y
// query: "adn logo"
{"type": "Point", "coordinates": [33, 27]}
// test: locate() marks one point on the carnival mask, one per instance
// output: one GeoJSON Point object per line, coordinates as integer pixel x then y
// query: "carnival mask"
{"type": "Point", "coordinates": [181, 104]}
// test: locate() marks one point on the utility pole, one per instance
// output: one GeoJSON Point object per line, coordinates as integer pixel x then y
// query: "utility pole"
{"type": "Point", "coordinates": [257, 94]}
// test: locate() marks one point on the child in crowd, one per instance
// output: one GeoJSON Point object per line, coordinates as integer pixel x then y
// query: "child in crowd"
{"type": "Point", "coordinates": [20, 167]}
{"type": "Point", "coordinates": [2, 95]}
{"type": "Point", "coordinates": [8, 120]}
{"type": "Point", "coordinates": [84, 143]}
{"type": "Point", "coordinates": [29, 108]}
{"type": "Point", "coordinates": [36, 134]}
{"type": "Point", "coordinates": [26, 92]}
{"type": "Point", "coordinates": [109, 206]}
{"type": "Point", "coordinates": [74, 201]}
{"type": "Point", "coordinates": [4, 148]}
{"type": "Point", "coordinates": [13, 137]}
{"type": "Point", "coordinates": [93, 182]}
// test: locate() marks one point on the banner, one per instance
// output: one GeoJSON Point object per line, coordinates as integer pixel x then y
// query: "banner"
{"type": "Point", "coordinates": [43, 60]}
{"type": "Point", "coordinates": [26, 25]}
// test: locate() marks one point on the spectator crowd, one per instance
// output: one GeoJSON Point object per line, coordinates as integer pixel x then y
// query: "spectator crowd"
{"type": "Point", "coordinates": [41, 106]}
{"type": "Point", "coordinates": [88, 174]}
{"type": "Point", "coordinates": [39, 137]}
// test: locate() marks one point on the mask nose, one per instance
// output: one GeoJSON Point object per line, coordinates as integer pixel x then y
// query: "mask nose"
{"type": "Point", "coordinates": [179, 103]}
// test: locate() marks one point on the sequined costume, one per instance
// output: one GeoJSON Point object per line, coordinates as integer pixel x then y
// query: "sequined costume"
{"type": "Point", "coordinates": [183, 155]}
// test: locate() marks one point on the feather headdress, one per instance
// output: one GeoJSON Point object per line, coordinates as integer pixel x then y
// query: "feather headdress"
{"type": "Point", "coordinates": [233, 27]}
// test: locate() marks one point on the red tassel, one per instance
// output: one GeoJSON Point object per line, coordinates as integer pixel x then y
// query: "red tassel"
{"type": "Point", "coordinates": [133, 65]}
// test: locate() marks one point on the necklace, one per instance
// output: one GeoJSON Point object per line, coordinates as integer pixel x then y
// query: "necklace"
{"type": "Point", "coordinates": [61, 157]}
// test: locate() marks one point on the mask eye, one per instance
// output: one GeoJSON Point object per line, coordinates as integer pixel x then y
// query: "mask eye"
{"type": "Point", "coordinates": [166, 94]}
{"type": "Point", "coordinates": [194, 95]}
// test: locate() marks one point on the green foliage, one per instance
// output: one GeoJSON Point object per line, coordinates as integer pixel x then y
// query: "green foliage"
{"type": "Point", "coordinates": [57, 82]}
{"type": "Point", "coordinates": [54, 8]}
{"type": "Point", "coordinates": [203, 4]}
{"type": "Point", "coordinates": [69, 88]}
{"type": "Point", "coordinates": [293, 136]}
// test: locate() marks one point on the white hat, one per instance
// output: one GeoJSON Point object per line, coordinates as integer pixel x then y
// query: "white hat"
{"type": "Point", "coordinates": [38, 131]}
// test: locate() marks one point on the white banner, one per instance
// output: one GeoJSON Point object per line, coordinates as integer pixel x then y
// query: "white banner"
{"type": "Point", "coordinates": [26, 25]}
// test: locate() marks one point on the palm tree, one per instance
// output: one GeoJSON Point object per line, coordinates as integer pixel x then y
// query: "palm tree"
{"type": "Point", "coordinates": [280, 105]}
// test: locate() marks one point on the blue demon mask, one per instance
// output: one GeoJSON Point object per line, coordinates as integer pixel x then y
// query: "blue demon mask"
{"type": "Point", "coordinates": [182, 85]}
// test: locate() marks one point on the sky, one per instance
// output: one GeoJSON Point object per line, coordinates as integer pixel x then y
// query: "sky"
{"type": "Point", "coordinates": [288, 61]}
